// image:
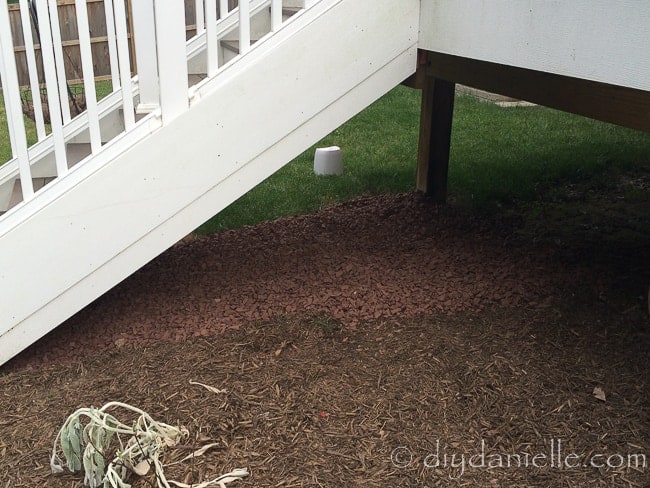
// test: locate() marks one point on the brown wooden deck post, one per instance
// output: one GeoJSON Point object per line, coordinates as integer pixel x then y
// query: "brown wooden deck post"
{"type": "Point", "coordinates": [435, 137]}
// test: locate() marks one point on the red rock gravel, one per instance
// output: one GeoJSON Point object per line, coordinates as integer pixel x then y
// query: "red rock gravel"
{"type": "Point", "coordinates": [371, 258]}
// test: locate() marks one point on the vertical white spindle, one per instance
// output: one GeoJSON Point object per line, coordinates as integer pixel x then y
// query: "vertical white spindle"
{"type": "Point", "coordinates": [276, 14]}
{"type": "Point", "coordinates": [112, 43]}
{"type": "Point", "coordinates": [58, 57]}
{"type": "Point", "coordinates": [37, 104]}
{"type": "Point", "coordinates": [124, 63]}
{"type": "Point", "coordinates": [223, 8]}
{"type": "Point", "coordinates": [212, 42]}
{"type": "Point", "coordinates": [89, 75]}
{"type": "Point", "coordinates": [244, 26]}
{"type": "Point", "coordinates": [172, 63]}
{"type": "Point", "coordinates": [13, 107]}
{"type": "Point", "coordinates": [144, 37]}
{"type": "Point", "coordinates": [200, 17]}
{"type": "Point", "coordinates": [52, 88]}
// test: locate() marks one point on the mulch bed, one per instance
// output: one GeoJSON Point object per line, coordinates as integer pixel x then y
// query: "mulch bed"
{"type": "Point", "coordinates": [356, 346]}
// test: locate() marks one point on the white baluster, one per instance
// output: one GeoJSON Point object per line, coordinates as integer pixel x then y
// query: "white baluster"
{"type": "Point", "coordinates": [172, 65]}
{"type": "Point", "coordinates": [58, 57]}
{"type": "Point", "coordinates": [144, 37]}
{"type": "Point", "coordinates": [13, 107]}
{"type": "Point", "coordinates": [223, 8]}
{"type": "Point", "coordinates": [112, 43]}
{"type": "Point", "coordinates": [244, 26]}
{"type": "Point", "coordinates": [37, 104]}
{"type": "Point", "coordinates": [52, 88]}
{"type": "Point", "coordinates": [124, 64]}
{"type": "Point", "coordinates": [89, 75]}
{"type": "Point", "coordinates": [276, 14]}
{"type": "Point", "coordinates": [212, 42]}
{"type": "Point", "coordinates": [200, 17]}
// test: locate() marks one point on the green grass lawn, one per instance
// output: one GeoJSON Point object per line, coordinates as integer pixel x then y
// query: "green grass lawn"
{"type": "Point", "coordinates": [498, 155]}
{"type": "Point", "coordinates": [5, 144]}
{"type": "Point", "coordinates": [103, 88]}
{"type": "Point", "coordinates": [504, 154]}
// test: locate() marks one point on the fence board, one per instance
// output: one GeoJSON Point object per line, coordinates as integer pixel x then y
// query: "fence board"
{"type": "Point", "coordinates": [69, 36]}
{"type": "Point", "coordinates": [70, 41]}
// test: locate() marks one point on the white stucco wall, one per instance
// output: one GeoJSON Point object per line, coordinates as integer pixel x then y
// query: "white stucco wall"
{"type": "Point", "coordinates": [599, 40]}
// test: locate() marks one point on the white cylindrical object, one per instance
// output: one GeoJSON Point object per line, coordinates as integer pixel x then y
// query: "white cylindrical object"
{"type": "Point", "coordinates": [328, 161]}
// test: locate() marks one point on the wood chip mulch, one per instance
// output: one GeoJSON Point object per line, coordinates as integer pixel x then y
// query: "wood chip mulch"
{"type": "Point", "coordinates": [383, 342]}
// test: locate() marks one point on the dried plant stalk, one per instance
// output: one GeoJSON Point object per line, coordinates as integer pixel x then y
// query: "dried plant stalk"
{"type": "Point", "coordinates": [92, 439]}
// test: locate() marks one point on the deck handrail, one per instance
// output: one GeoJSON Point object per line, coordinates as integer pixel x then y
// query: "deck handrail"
{"type": "Point", "coordinates": [161, 84]}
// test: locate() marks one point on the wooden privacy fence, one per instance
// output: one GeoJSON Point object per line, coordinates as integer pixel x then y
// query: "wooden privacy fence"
{"type": "Point", "coordinates": [70, 42]}
{"type": "Point", "coordinates": [70, 38]}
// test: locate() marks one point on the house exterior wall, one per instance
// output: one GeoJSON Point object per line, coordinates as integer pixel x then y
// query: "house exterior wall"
{"type": "Point", "coordinates": [599, 40]}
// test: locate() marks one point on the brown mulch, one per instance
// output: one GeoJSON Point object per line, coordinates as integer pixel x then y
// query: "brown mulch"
{"type": "Point", "coordinates": [366, 344]}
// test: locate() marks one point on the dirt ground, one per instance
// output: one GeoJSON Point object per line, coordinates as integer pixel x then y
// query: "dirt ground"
{"type": "Point", "coordinates": [381, 342]}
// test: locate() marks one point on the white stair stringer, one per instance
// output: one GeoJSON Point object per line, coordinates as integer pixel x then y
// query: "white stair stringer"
{"type": "Point", "coordinates": [242, 126]}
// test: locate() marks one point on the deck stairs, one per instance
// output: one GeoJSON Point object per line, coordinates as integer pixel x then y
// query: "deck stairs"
{"type": "Point", "coordinates": [117, 185]}
{"type": "Point", "coordinates": [112, 122]}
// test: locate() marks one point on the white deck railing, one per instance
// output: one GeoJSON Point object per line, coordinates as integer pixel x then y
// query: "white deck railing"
{"type": "Point", "coordinates": [161, 85]}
